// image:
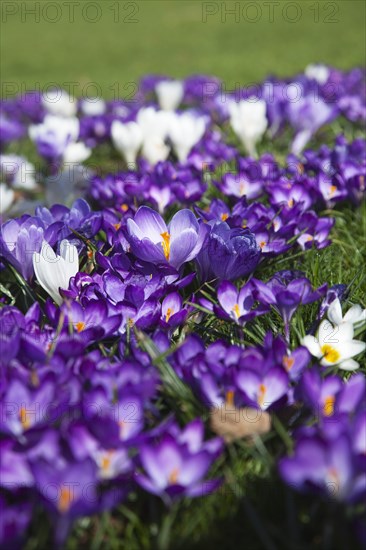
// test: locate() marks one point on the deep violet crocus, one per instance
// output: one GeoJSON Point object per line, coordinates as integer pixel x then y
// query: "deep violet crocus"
{"type": "Point", "coordinates": [237, 304]}
{"type": "Point", "coordinates": [286, 292]}
{"type": "Point", "coordinates": [153, 241]}
{"type": "Point", "coordinates": [228, 253]}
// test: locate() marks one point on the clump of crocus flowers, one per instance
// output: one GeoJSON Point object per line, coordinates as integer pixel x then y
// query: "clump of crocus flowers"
{"type": "Point", "coordinates": [153, 302]}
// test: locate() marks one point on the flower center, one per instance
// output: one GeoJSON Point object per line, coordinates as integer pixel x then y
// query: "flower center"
{"type": "Point", "coordinates": [229, 398]}
{"type": "Point", "coordinates": [224, 217]}
{"type": "Point", "coordinates": [105, 463]}
{"type": "Point", "coordinates": [262, 244]}
{"type": "Point", "coordinates": [290, 203]}
{"type": "Point", "coordinates": [124, 207]}
{"type": "Point", "coordinates": [80, 326]}
{"type": "Point", "coordinates": [169, 313]}
{"type": "Point", "coordinates": [236, 311]}
{"type": "Point", "coordinates": [332, 190]}
{"type": "Point", "coordinates": [328, 407]}
{"type": "Point", "coordinates": [173, 476]}
{"type": "Point", "coordinates": [288, 362]}
{"type": "Point", "coordinates": [242, 188]}
{"type": "Point", "coordinates": [261, 394]}
{"type": "Point", "coordinates": [330, 354]}
{"type": "Point", "coordinates": [166, 244]}
{"type": "Point", "coordinates": [64, 500]}
{"type": "Point", "coordinates": [24, 418]}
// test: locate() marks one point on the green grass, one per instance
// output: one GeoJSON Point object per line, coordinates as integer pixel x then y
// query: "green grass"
{"type": "Point", "coordinates": [172, 38]}
{"type": "Point", "coordinates": [253, 510]}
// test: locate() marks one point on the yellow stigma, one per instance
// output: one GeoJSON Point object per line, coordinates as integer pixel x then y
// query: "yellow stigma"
{"type": "Point", "coordinates": [290, 203]}
{"type": "Point", "coordinates": [80, 326]}
{"type": "Point", "coordinates": [169, 313]}
{"type": "Point", "coordinates": [332, 190]}
{"type": "Point", "coordinates": [24, 418]}
{"type": "Point", "coordinates": [328, 407]}
{"type": "Point", "coordinates": [124, 207]}
{"type": "Point", "coordinates": [106, 461]}
{"type": "Point", "coordinates": [236, 310]}
{"type": "Point", "coordinates": [224, 217]}
{"type": "Point", "coordinates": [330, 354]}
{"type": "Point", "coordinates": [262, 244]}
{"type": "Point", "coordinates": [288, 362]}
{"type": "Point", "coordinates": [242, 189]}
{"type": "Point", "coordinates": [173, 476]}
{"type": "Point", "coordinates": [229, 398]}
{"type": "Point", "coordinates": [166, 244]}
{"type": "Point", "coordinates": [261, 394]}
{"type": "Point", "coordinates": [116, 226]}
{"type": "Point", "coordinates": [64, 500]}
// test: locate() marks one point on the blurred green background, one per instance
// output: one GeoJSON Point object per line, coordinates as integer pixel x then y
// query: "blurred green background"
{"type": "Point", "coordinates": [113, 43]}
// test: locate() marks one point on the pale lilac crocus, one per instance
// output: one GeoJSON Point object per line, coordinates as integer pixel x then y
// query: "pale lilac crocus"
{"type": "Point", "coordinates": [153, 241]}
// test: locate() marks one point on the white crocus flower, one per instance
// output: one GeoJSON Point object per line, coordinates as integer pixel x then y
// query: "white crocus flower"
{"type": "Point", "coordinates": [170, 94]}
{"type": "Point", "coordinates": [335, 345]}
{"type": "Point", "coordinates": [75, 153]}
{"type": "Point", "coordinates": [153, 123]}
{"type": "Point", "coordinates": [355, 315]}
{"type": "Point", "coordinates": [155, 150]}
{"type": "Point", "coordinates": [185, 132]}
{"type": "Point", "coordinates": [58, 102]}
{"type": "Point", "coordinates": [248, 120]}
{"type": "Point", "coordinates": [56, 132]}
{"type": "Point", "coordinates": [18, 171]}
{"type": "Point", "coordinates": [6, 197]}
{"type": "Point", "coordinates": [317, 72]}
{"type": "Point", "coordinates": [127, 139]}
{"type": "Point", "coordinates": [54, 272]}
{"type": "Point", "coordinates": [93, 106]}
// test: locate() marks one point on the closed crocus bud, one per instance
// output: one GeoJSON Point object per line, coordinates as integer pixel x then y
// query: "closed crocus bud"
{"type": "Point", "coordinates": [228, 253]}
{"type": "Point", "coordinates": [185, 132]}
{"type": "Point", "coordinates": [153, 123]}
{"type": "Point", "coordinates": [54, 272]}
{"type": "Point", "coordinates": [248, 120]}
{"type": "Point", "coordinates": [155, 150]}
{"type": "Point", "coordinates": [170, 94]}
{"type": "Point", "coordinates": [60, 103]}
{"type": "Point", "coordinates": [75, 153]}
{"type": "Point", "coordinates": [127, 139]}
{"type": "Point", "coordinates": [6, 197]}
{"type": "Point", "coordinates": [318, 72]}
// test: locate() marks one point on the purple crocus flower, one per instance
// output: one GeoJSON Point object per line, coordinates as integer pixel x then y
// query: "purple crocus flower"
{"type": "Point", "coordinates": [172, 312]}
{"type": "Point", "coordinates": [19, 239]}
{"type": "Point", "coordinates": [176, 468]}
{"type": "Point", "coordinates": [228, 253]}
{"type": "Point", "coordinates": [153, 241]}
{"type": "Point", "coordinates": [237, 304]}
{"type": "Point", "coordinates": [307, 115]}
{"type": "Point", "coordinates": [327, 466]}
{"type": "Point", "coordinates": [285, 292]}
{"type": "Point", "coordinates": [263, 390]}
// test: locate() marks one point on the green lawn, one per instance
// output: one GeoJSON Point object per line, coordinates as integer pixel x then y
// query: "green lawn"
{"type": "Point", "coordinates": [173, 38]}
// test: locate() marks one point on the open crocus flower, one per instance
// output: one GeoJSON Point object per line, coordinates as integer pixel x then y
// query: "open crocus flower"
{"type": "Point", "coordinates": [170, 94]}
{"type": "Point", "coordinates": [54, 272]}
{"type": "Point", "coordinates": [153, 241]}
{"type": "Point", "coordinates": [175, 468]}
{"type": "Point", "coordinates": [127, 139]}
{"type": "Point", "coordinates": [237, 305]}
{"type": "Point", "coordinates": [335, 345]}
{"type": "Point", "coordinates": [355, 315]}
{"type": "Point", "coordinates": [263, 390]}
{"type": "Point", "coordinates": [7, 196]}
{"type": "Point", "coordinates": [248, 120]}
{"type": "Point", "coordinates": [185, 132]}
